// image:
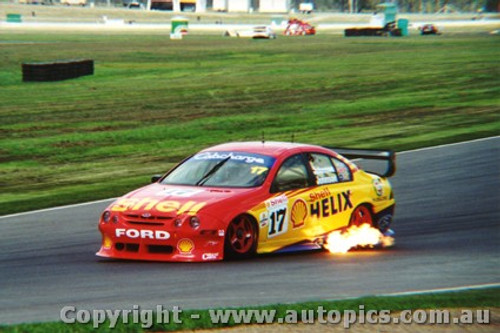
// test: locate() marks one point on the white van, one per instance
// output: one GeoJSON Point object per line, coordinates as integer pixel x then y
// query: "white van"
{"type": "Point", "coordinates": [74, 2]}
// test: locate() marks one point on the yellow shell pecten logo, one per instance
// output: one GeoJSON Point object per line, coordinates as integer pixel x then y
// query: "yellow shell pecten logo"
{"type": "Point", "coordinates": [185, 246]}
{"type": "Point", "coordinates": [298, 213]}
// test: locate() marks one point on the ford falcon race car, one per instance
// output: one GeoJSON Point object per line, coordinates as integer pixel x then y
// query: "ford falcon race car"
{"type": "Point", "coordinates": [237, 199]}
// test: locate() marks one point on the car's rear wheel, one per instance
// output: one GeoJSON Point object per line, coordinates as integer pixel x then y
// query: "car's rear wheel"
{"type": "Point", "coordinates": [361, 215]}
{"type": "Point", "coordinates": [241, 238]}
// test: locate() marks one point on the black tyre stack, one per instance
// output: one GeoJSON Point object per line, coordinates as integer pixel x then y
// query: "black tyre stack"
{"type": "Point", "coordinates": [57, 71]}
{"type": "Point", "coordinates": [380, 32]}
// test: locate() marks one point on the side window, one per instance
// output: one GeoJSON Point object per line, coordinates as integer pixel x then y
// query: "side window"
{"type": "Point", "coordinates": [323, 169]}
{"type": "Point", "coordinates": [291, 175]}
{"type": "Point", "coordinates": [343, 171]}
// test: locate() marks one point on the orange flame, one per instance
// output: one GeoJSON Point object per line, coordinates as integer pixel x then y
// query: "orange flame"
{"type": "Point", "coordinates": [363, 235]}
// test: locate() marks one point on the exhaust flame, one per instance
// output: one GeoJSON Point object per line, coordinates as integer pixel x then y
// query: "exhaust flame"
{"type": "Point", "coordinates": [363, 235]}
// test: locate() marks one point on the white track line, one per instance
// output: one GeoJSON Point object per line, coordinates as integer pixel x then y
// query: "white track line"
{"type": "Point", "coordinates": [449, 145]}
{"type": "Point", "coordinates": [56, 208]}
{"type": "Point", "coordinates": [104, 200]}
{"type": "Point", "coordinates": [443, 290]}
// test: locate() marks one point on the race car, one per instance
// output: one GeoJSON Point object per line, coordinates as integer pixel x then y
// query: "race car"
{"type": "Point", "coordinates": [259, 32]}
{"type": "Point", "coordinates": [238, 199]}
{"type": "Point", "coordinates": [429, 29]}
{"type": "Point", "coordinates": [296, 27]}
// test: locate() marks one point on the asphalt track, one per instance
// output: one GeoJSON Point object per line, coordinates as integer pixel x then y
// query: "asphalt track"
{"type": "Point", "coordinates": [447, 229]}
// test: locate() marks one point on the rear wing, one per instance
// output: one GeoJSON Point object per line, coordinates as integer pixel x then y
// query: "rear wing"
{"type": "Point", "coordinates": [366, 158]}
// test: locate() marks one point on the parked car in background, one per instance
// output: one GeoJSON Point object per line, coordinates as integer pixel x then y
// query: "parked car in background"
{"type": "Point", "coordinates": [259, 32]}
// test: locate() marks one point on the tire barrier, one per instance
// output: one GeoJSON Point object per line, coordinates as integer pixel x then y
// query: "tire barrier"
{"type": "Point", "coordinates": [397, 32]}
{"type": "Point", "coordinates": [389, 29]}
{"type": "Point", "coordinates": [57, 71]}
{"type": "Point", "coordinates": [380, 32]}
{"type": "Point", "coordinates": [355, 32]}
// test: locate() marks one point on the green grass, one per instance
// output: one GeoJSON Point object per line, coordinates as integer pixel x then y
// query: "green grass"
{"type": "Point", "coordinates": [152, 101]}
{"type": "Point", "coordinates": [481, 298]}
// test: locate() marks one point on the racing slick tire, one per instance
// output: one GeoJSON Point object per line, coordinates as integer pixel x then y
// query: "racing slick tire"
{"type": "Point", "coordinates": [241, 238]}
{"type": "Point", "coordinates": [361, 214]}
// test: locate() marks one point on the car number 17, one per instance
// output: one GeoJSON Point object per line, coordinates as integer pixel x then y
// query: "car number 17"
{"type": "Point", "coordinates": [278, 222]}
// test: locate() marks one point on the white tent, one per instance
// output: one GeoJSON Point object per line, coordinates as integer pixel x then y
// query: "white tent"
{"type": "Point", "coordinates": [238, 6]}
{"type": "Point", "coordinates": [274, 6]}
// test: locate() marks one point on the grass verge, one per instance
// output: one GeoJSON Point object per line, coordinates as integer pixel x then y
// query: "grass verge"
{"type": "Point", "coordinates": [481, 298]}
{"type": "Point", "coordinates": [153, 101]}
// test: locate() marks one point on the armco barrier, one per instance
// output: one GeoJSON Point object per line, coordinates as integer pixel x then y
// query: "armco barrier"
{"type": "Point", "coordinates": [57, 71]}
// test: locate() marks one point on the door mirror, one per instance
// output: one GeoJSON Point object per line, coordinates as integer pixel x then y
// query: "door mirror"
{"type": "Point", "coordinates": [155, 178]}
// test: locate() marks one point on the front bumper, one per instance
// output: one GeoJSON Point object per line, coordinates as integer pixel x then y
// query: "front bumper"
{"type": "Point", "coordinates": [146, 243]}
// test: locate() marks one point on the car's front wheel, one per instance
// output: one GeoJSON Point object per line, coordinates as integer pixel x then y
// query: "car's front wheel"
{"type": "Point", "coordinates": [241, 238]}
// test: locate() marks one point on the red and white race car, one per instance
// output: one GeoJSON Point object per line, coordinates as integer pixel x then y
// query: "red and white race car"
{"type": "Point", "coordinates": [238, 199]}
{"type": "Point", "coordinates": [429, 29]}
{"type": "Point", "coordinates": [296, 27]}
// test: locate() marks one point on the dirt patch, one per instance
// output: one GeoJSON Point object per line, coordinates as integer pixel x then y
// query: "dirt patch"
{"type": "Point", "coordinates": [492, 327]}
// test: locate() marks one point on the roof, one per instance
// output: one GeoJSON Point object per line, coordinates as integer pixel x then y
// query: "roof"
{"type": "Point", "coordinates": [270, 148]}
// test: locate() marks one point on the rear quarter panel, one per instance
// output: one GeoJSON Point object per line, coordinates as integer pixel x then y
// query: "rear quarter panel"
{"type": "Point", "coordinates": [291, 217]}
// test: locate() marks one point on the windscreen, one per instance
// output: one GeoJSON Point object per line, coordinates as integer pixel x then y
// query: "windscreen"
{"type": "Point", "coordinates": [222, 169]}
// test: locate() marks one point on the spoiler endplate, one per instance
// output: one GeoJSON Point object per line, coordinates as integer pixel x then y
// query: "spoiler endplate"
{"type": "Point", "coordinates": [370, 154]}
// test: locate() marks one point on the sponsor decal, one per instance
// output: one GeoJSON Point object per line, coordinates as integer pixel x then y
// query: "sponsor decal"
{"type": "Point", "coordinates": [318, 195]}
{"type": "Point", "coordinates": [326, 180]}
{"type": "Point", "coordinates": [222, 233]}
{"type": "Point", "coordinates": [380, 199]}
{"type": "Point", "coordinates": [185, 246]}
{"type": "Point", "coordinates": [166, 206]}
{"type": "Point", "coordinates": [342, 170]}
{"type": "Point", "coordinates": [258, 170]}
{"type": "Point", "coordinates": [331, 205]}
{"type": "Point", "coordinates": [134, 233]}
{"type": "Point", "coordinates": [298, 213]}
{"type": "Point", "coordinates": [107, 242]}
{"type": "Point", "coordinates": [246, 158]}
{"type": "Point", "coordinates": [378, 186]}
{"type": "Point", "coordinates": [178, 192]}
{"type": "Point", "coordinates": [318, 170]}
{"type": "Point", "coordinates": [210, 256]}
{"type": "Point", "coordinates": [263, 219]}
{"type": "Point", "coordinates": [277, 201]}
{"type": "Point", "coordinates": [325, 175]}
